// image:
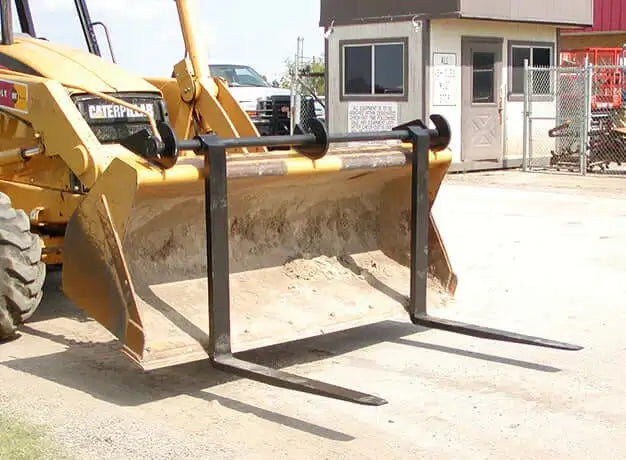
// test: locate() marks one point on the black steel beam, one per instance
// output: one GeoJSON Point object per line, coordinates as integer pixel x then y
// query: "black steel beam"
{"type": "Point", "coordinates": [436, 139]}
{"type": "Point", "coordinates": [458, 327]}
{"type": "Point", "coordinates": [216, 209]}
{"type": "Point", "coordinates": [313, 143]}
{"type": "Point", "coordinates": [85, 22]}
{"type": "Point", "coordinates": [420, 211]}
{"type": "Point", "coordinates": [25, 17]}
{"type": "Point", "coordinates": [107, 35]}
{"type": "Point", "coordinates": [7, 22]}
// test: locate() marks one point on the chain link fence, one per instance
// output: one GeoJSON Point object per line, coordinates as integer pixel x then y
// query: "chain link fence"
{"type": "Point", "coordinates": [309, 106]}
{"type": "Point", "coordinates": [607, 127]}
{"type": "Point", "coordinates": [306, 102]}
{"type": "Point", "coordinates": [575, 119]}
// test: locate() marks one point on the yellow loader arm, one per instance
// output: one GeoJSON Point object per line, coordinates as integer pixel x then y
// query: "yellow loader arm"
{"type": "Point", "coordinates": [195, 96]}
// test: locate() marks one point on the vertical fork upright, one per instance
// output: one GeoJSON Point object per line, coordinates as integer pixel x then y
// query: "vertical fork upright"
{"type": "Point", "coordinates": [220, 352]}
{"type": "Point", "coordinates": [419, 258]}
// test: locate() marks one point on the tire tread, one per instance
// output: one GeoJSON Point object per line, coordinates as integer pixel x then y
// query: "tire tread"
{"type": "Point", "coordinates": [22, 273]}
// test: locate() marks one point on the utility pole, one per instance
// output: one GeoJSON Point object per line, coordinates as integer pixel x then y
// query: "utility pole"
{"type": "Point", "coordinates": [295, 85]}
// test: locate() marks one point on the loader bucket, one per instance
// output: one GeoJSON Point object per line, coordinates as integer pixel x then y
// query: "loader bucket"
{"type": "Point", "coordinates": [315, 247]}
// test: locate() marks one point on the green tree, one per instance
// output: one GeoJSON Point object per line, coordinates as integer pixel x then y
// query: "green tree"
{"type": "Point", "coordinates": [311, 75]}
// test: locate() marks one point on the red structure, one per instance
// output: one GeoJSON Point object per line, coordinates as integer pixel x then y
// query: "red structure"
{"type": "Point", "coordinates": [608, 16]}
{"type": "Point", "coordinates": [596, 56]}
{"type": "Point", "coordinates": [609, 84]}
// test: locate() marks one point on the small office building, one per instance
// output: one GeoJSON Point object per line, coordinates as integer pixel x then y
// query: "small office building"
{"type": "Point", "coordinates": [393, 61]}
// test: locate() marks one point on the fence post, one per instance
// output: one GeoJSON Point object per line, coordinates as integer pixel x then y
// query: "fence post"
{"type": "Point", "coordinates": [525, 136]}
{"type": "Point", "coordinates": [587, 79]}
{"type": "Point", "coordinates": [298, 101]}
{"type": "Point", "coordinates": [294, 105]}
{"type": "Point", "coordinates": [292, 92]}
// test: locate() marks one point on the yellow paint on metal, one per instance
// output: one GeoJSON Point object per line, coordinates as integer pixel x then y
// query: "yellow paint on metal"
{"type": "Point", "coordinates": [15, 133]}
{"type": "Point", "coordinates": [46, 172]}
{"type": "Point", "coordinates": [179, 111]}
{"type": "Point", "coordinates": [73, 66]}
{"type": "Point", "coordinates": [303, 165]}
{"type": "Point", "coordinates": [438, 165]}
{"type": "Point", "coordinates": [198, 63]}
{"type": "Point", "coordinates": [213, 117]}
{"type": "Point", "coordinates": [53, 114]}
{"type": "Point", "coordinates": [79, 161]}
{"type": "Point", "coordinates": [58, 206]}
{"type": "Point", "coordinates": [52, 249]}
{"type": "Point", "coordinates": [239, 118]}
{"type": "Point", "coordinates": [185, 78]}
{"type": "Point", "coordinates": [91, 278]}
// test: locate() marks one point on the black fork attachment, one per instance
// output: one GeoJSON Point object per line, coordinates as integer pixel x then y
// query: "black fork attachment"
{"type": "Point", "coordinates": [314, 145]}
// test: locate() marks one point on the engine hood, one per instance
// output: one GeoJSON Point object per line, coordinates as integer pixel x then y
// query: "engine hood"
{"type": "Point", "coordinates": [69, 66]}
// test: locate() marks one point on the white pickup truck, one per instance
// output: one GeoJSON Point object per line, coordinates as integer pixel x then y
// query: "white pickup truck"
{"type": "Point", "coordinates": [268, 106]}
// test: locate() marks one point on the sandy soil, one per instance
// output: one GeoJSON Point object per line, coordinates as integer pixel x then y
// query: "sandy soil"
{"type": "Point", "coordinates": [535, 253]}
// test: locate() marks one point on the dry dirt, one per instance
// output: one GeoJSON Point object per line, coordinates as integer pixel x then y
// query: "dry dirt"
{"type": "Point", "coordinates": [535, 253]}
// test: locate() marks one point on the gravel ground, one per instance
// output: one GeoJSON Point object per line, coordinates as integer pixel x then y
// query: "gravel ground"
{"type": "Point", "coordinates": [535, 253]}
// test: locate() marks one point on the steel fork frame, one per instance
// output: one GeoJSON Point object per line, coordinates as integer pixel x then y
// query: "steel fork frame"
{"type": "Point", "coordinates": [219, 297]}
{"type": "Point", "coordinates": [220, 351]}
{"type": "Point", "coordinates": [419, 260]}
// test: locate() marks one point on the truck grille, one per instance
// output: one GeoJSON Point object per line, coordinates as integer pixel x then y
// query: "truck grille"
{"type": "Point", "coordinates": [273, 115]}
{"type": "Point", "coordinates": [111, 122]}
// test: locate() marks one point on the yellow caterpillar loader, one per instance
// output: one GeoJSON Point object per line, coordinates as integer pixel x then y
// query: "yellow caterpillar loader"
{"type": "Point", "coordinates": [177, 227]}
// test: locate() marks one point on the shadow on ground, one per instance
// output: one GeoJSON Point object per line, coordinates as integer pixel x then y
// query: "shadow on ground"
{"type": "Point", "coordinates": [99, 369]}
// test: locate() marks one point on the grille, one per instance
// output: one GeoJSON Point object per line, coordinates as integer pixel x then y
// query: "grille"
{"type": "Point", "coordinates": [274, 112]}
{"type": "Point", "coordinates": [111, 122]}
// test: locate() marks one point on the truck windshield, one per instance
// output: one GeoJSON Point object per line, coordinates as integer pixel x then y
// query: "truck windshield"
{"type": "Point", "coordinates": [238, 75]}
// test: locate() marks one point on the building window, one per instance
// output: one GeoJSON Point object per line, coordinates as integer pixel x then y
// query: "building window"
{"type": "Point", "coordinates": [374, 69]}
{"type": "Point", "coordinates": [538, 55]}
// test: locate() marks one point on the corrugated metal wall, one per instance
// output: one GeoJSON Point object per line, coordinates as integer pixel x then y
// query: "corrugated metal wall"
{"type": "Point", "coordinates": [608, 16]}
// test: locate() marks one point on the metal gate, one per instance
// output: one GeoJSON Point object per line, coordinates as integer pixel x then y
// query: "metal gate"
{"type": "Point", "coordinates": [575, 119]}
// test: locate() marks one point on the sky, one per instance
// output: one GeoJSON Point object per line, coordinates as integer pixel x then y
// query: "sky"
{"type": "Point", "coordinates": [147, 40]}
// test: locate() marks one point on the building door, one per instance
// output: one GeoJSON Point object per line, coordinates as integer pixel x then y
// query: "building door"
{"type": "Point", "coordinates": [481, 116]}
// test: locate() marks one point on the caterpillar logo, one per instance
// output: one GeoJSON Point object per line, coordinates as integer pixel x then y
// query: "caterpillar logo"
{"type": "Point", "coordinates": [114, 111]}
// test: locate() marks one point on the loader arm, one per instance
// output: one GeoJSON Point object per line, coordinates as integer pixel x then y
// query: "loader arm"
{"type": "Point", "coordinates": [197, 97]}
{"type": "Point", "coordinates": [46, 107]}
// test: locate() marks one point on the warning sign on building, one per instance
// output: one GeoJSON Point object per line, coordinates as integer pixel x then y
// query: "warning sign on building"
{"type": "Point", "coordinates": [444, 79]}
{"type": "Point", "coordinates": [372, 116]}
{"type": "Point", "coordinates": [14, 96]}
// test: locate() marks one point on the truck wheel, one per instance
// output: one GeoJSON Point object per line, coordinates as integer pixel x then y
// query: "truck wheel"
{"type": "Point", "coordinates": [22, 273]}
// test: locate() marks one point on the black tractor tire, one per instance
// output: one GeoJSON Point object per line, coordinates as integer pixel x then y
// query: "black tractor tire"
{"type": "Point", "coordinates": [22, 273]}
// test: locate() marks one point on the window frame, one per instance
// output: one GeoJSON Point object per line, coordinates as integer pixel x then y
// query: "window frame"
{"type": "Point", "coordinates": [519, 97]}
{"type": "Point", "coordinates": [343, 44]}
